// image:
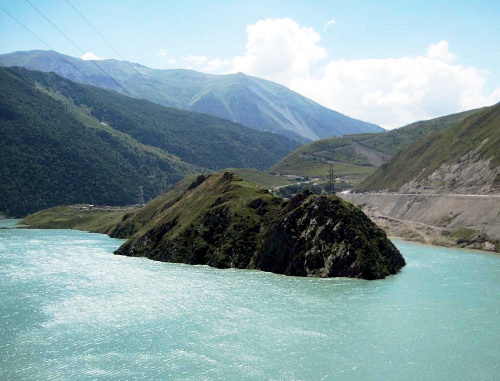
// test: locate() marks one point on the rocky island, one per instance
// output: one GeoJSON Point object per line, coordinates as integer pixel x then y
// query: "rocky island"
{"type": "Point", "coordinates": [221, 220]}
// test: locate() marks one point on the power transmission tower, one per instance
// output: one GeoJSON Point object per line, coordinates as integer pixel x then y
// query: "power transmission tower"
{"type": "Point", "coordinates": [141, 195]}
{"type": "Point", "coordinates": [331, 184]}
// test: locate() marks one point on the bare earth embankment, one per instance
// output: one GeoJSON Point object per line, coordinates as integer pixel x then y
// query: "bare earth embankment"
{"type": "Point", "coordinates": [471, 221]}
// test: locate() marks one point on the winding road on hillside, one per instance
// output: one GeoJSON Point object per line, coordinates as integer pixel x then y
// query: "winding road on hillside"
{"type": "Point", "coordinates": [429, 194]}
{"type": "Point", "coordinates": [374, 157]}
{"type": "Point", "coordinates": [406, 214]}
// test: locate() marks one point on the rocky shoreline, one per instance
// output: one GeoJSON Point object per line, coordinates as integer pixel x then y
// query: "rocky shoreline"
{"type": "Point", "coordinates": [451, 221]}
{"type": "Point", "coordinates": [223, 221]}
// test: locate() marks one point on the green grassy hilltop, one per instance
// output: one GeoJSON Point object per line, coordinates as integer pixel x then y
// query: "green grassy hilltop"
{"type": "Point", "coordinates": [224, 221]}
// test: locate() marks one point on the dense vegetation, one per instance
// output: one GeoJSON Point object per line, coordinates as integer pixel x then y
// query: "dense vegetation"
{"type": "Point", "coordinates": [253, 102]}
{"type": "Point", "coordinates": [49, 156]}
{"type": "Point", "coordinates": [199, 139]}
{"type": "Point", "coordinates": [65, 143]}
{"type": "Point", "coordinates": [479, 132]}
{"type": "Point", "coordinates": [119, 222]}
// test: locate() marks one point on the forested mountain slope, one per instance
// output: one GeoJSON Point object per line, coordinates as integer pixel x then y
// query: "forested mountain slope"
{"type": "Point", "coordinates": [253, 102]}
{"type": "Point", "coordinates": [65, 143]}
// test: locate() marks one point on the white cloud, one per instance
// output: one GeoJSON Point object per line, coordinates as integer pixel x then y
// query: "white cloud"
{"type": "Point", "coordinates": [396, 91]}
{"type": "Point", "coordinates": [494, 97]}
{"type": "Point", "coordinates": [217, 65]}
{"type": "Point", "coordinates": [328, 24]}
{"type": "Point", "coordinates": [163, 53]}
{"type": "Point", "coordinates": [391, 92]}
{"type": "Point", "coordinates": [441, 52]}
{"type": "Point", "coordinates": [203, 64]}
{"type": "Point", "coordinates": [279, 50]}
{"type": "Point", "coordinates": [91, 57]}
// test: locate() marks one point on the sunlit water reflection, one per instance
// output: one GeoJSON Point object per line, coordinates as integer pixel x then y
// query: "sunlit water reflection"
{"type": "Point", "coordinates": [70, 309]}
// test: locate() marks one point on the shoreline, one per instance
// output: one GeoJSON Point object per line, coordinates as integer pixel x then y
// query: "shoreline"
{"type": "Point", "coordinates": [458, 248]}
{"type": "Point", "coordinates": [398, 237]}
{"type": "Point", "coordinates": [425, 234]}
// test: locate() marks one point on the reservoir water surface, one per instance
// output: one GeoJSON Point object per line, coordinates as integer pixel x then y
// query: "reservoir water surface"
{"type": "Point", "coordinates": [71, 310]}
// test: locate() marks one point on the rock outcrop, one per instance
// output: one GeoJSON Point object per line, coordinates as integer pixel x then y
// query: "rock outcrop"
{"type": "Point", "coordinates": [223, 221]}
{"type": "Point", "coordinates": [326, 237]}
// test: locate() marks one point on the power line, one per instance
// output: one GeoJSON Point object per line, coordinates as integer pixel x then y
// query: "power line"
{"type": "Point", "coordinates": [25, 27]}
{"type": "Point", "coordinates": [76, 46]}
{"type": "Point", "coordinates": [47, 45]}
{"type": "Point", "coordinates": [117, 52]}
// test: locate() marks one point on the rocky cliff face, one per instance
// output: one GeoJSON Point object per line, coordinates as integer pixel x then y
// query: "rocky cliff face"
{"type": "Point", "coordinates": [326, 237]}
{"type": "Point", "coordinates": [224, 222]}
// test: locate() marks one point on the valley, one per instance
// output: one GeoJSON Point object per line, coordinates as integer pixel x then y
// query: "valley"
{"type": "Point", "coordinates": [252, 190]}
{"type": "Point", "coordinates": [435, 182]}
{"type": "Point", "coordinates": [357, 156]}
{"type": "Point", "coordinates": [435, 170]}
{"type": "Point", "coordinates": [256, 103]}
{"type": "Point", "coordinates": [65, 143]}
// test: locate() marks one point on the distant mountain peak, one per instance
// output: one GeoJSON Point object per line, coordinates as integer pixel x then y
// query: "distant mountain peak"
{"type": "Point", "coordinates": [257, 103]}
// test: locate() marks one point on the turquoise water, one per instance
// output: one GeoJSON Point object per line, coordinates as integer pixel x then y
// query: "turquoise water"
{"type": "Point", "coordinates": [71, 310]}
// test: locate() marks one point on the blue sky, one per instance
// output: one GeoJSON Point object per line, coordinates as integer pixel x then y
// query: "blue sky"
{"type": "Point", "coordinates": [387, 62]}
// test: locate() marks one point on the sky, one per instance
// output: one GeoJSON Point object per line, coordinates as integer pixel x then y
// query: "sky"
{"type": "Point", "coordinates": [386, 62]}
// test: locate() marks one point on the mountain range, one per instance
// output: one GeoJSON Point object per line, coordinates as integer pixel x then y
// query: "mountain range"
{"type": "Point", "coordinates": [443, 189]}
{"type": "Point", "coordinates": [462, 158]}
{"type": "Point", "coordinates": [64, 143]}
{"type": "Point", "coordinates": [253, 102]}
{"type": "Point", "coordinates": [359, 155]}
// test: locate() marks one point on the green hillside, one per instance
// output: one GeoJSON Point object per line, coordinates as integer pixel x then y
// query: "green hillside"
{"type": "Point", "coordinates": [223, 221]}
{"type": "Point", "coordinates": [253, 102]}
{"type": "Point", "coordinates": [259, 178]}
{"type": "Point", "coordinates": [357, 156]}
{"type": "Point", "coordinates": [65, 143]}
{"type": "Point", "coordinates": [477, 136]}
{"type": "Point", "coordinates": [393, 141]}
{"type": "Point", "coordinates": [53, 155]}
{"type": "Point", "coordinates": [203, 140]}
{"type": "Point", "coordinates": [124, 222]}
